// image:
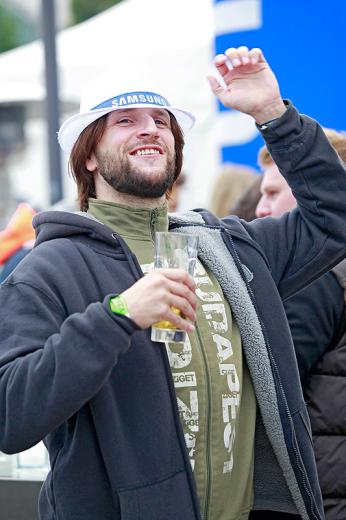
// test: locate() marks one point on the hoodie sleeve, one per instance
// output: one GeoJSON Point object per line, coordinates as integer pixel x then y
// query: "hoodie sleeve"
{"type": "Point", "coordinates": [316, 316]}
{"type": "Point", "coordinates": [306, 242]}
{"type": "Point", "coordinates": [50, 366]}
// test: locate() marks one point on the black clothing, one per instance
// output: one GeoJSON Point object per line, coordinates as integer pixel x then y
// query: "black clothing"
{"type": "Point", "coordinates": [318, 325]}
{"type": "Point", "coordinates": [272, 515]}
{"type": "Point", "coordinates": [316, 316]}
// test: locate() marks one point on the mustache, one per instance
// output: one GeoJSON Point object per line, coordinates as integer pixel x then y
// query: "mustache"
{"type": "Point", "coordinates": [146, 142]}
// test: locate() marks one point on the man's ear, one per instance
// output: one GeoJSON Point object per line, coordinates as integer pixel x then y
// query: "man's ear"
{"type": "Point", "coordinates": [91, 163]}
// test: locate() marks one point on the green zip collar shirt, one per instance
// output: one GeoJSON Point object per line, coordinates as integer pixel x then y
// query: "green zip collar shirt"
{"type": "Point", "coordinates": [214, 392]}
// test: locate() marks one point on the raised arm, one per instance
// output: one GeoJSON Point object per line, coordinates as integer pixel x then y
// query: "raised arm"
{"type": "Point", "coordinates": [305, 243]}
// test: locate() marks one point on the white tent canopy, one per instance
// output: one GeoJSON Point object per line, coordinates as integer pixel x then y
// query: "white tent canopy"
{"type": "Point", "coordinates": [161, 33]}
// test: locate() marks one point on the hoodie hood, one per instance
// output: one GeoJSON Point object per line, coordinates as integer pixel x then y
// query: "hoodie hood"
{"type": "Point", "coordinates": [50, 225]}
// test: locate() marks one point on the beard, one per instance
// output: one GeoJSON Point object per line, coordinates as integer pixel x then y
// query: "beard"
{"type": "Point", "coordinates": [126, 178]}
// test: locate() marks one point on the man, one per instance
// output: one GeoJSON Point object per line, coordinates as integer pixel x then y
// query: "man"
{"type": "Point", "coordinates": [316, 317]}
{"type": "Point", "coordinates": [215, 428]}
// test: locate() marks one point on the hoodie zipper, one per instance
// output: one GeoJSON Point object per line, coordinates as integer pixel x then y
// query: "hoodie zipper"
{"type": "Point", "coordinates": [153, 220]}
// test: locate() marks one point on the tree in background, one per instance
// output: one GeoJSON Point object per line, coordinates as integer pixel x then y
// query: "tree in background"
{"type": "Point", "coordinates": [84, 9]}
{"type": "Point", "coordinates": [15, 28]}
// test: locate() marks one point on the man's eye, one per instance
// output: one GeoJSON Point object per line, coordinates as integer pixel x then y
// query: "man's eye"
{"type": "Point", "coordinates": [161, 122]}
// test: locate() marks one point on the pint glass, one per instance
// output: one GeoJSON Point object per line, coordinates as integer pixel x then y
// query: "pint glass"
{"type": "Point", "coordinates": [179, 251]}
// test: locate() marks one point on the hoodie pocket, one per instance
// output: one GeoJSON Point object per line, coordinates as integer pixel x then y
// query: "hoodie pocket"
{"type": "Point", "coordinates": [169, 499]}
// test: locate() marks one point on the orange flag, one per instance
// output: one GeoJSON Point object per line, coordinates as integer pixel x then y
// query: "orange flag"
{"type": "Point", "coordinates": [18, 231]}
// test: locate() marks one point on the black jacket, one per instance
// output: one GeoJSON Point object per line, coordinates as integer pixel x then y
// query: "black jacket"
{"type": "Point", "coordinates": [316, 316]}
{"type": "Point", "coordinates": [318, 324]}
{"type": "Point", "coordinates": [100, 393]}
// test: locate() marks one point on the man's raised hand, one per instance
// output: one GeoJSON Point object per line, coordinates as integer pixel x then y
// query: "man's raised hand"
{"type": "Point", "coordinates": [250, 85]}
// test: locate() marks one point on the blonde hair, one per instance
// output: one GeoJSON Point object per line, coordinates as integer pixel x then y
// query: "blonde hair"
{"type": "Point", "coordinates": [336, 139]}
{"type": "Point", "coordinates": [233, 180]}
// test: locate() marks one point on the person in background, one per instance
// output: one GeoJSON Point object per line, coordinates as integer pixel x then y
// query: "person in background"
{"type": "Point", "coordinates": [173, 197]}
{"type": "Point", "coordinates": [246, 205]}
{"type": "Point", "coordinates": [17, 239]}
{"type": "Point", "coordinates": [213, 428]}
{"type": "Point", "coordinates": [316, 316]}
{"type": "Point", "coordinates": [230, 184]}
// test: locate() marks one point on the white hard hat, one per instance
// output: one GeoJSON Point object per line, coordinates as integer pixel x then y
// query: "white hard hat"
{"type": "Point", "coordinates": [110, 91]}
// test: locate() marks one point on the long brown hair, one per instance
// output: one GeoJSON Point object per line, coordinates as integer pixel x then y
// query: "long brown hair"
{"type": "Point", "coordinates": [85, 146]}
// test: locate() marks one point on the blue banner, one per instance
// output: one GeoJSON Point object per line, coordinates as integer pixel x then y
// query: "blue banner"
{"type": "Point", "coordinates": [305, 45]}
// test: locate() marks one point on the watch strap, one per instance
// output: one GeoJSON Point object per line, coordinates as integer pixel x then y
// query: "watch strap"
{"type": "Point", "coordinates": [118, 305]}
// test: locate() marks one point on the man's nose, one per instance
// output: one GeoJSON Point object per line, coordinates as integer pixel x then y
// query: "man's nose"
{"type": "Point", "coordinates": [262, 209]}
{"type": "Point", "coordinates": [148, 127]}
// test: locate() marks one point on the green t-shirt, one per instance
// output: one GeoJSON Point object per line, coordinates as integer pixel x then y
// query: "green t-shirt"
{"type": "Point", "coordinates": [215, 396]}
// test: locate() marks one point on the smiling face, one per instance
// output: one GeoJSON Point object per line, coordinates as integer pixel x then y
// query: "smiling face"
{"type": "Point", "coordinates": [136, 154]}
{"type": "Point", "coordinates": [277, 197]}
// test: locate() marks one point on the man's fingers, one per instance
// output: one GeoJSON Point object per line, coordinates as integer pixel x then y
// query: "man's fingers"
{"type": "Point", "coordinates": [177, 290]}
{"type": "Point", "coordinates": [240, 56]}
{"type": "Point", "coordinates": [233, 55]}
{"type": "Point", "coordinates": [183, 305]}
{"type": "Point", "coordinates": [179, 322]}
{"type": "Point", "coordinates": [221, 65]}
{"type": "Point", "coordinates": [177, 275]}
{"type": "Point", "coordinates": [183, 291]}
{"type": "Point", "coordinates": [243, 53]}
{"type": "Point", "coordinates": [256, 56]}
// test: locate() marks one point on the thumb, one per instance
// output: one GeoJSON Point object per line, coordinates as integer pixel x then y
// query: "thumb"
{"type": "Point", "coordinates": [217, 88]}
{"type": "Point", "coordinates": [215, 85]}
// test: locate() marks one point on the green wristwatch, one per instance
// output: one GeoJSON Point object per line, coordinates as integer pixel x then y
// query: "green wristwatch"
{"type": "Point", "coordinates": [117, 305]}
